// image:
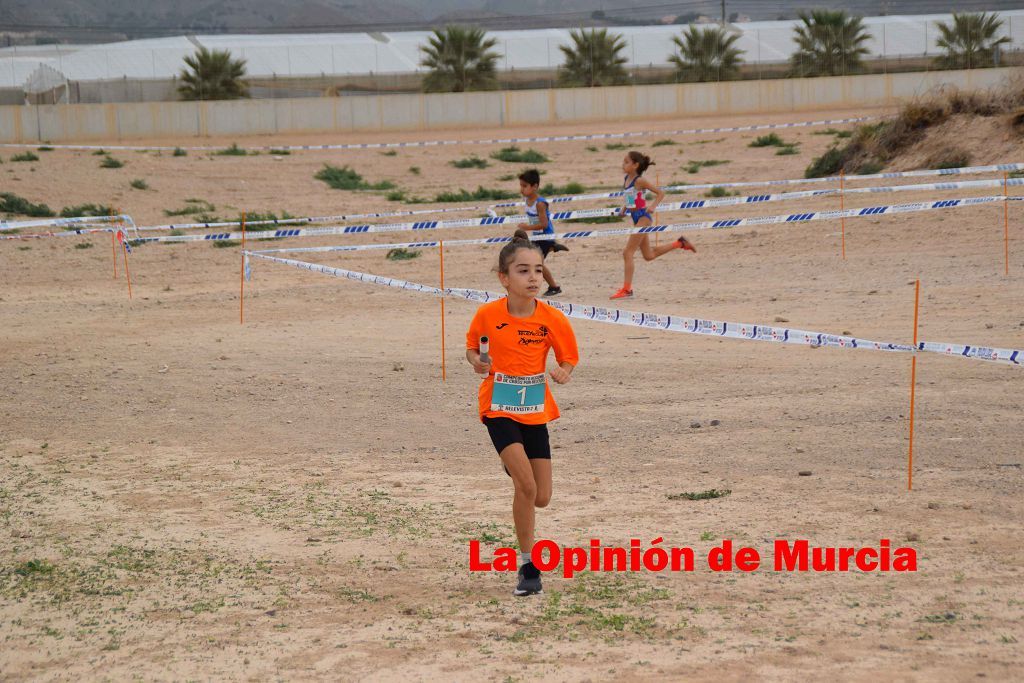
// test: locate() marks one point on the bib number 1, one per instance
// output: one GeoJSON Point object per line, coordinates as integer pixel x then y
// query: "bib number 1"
{"type": "Point", "coordinates": [517, 394]}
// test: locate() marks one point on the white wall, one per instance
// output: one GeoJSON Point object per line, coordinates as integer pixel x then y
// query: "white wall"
{"type": "Point", "coordinates": [420, 112]}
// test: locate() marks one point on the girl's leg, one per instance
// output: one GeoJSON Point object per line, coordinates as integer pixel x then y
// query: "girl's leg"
{"type": "Point", "coordinates": [650, 253]}
{"type": "Point", "coordinates": [542, 476]}
{"type": "Point", "coordinates": [514, 458]}
{"type": "Point", "coordinates": [632, 244]}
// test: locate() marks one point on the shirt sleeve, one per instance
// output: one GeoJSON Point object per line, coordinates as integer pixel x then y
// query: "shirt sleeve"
{"type": "Point", "coordinates": [476, 330]}
{"type": "Point", "coordinates": [563, 341]}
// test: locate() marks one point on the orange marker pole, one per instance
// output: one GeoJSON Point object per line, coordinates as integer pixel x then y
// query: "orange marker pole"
{"type": "Point", "coordinates": [657, 179]}
{"type": "Point", "coordinates": [241, 279]}
{"type": "Point", "coordinates": [128, 275]}
{"type": "Point", "coordinates": [913, 385]}
{"type": "Point", "coordinates": [842, 205]}
{"type": "Point", "coordinates": [444, 370]}
{"type": "Point", "coordinates": [1006, 224]}
{"type": "Point", "coordinates": [113, 250]}
{"type": "Point", "coordinates": [113, 244]}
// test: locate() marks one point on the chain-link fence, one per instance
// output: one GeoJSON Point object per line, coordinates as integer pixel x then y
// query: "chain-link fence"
{"type": "Point", "coordinates": [352, 64]}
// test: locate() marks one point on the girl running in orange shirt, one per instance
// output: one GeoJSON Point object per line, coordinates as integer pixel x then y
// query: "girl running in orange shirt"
{"type": "Point", "coordinates": [637, 208]}
{"type": "Point", "coordinates": [515, 401]}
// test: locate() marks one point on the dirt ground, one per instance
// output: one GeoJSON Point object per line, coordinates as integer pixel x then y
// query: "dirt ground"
{"type": "Point", "coordinates": [185, 497]}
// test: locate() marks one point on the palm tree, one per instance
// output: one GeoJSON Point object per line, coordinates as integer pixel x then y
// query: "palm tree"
{"type": "Point", "coordinates": [970, 42]}
{"type": "Point", "coordinates": [213, 75]}
{"type": "Point", "coordinates": [829, 43]}
{"type": "Point", "coordinates": [459, 59]}
{"type": "Point", "coordinates": [593, 59]}
{"type": "Point", "coordinates": [706, 55]}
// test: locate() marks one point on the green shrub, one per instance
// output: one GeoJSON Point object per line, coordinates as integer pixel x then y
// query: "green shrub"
{"type": "Point", "coordinates": [233, 151]}
{"type": "Point", "coordinates": [949, 158]}
{"type": "Point", "coordinates": [470, 162]}
{"type": "Point", "coordinates": [179, 152]}
{"type": "Point", "coordinates": [515, 155]}
{"type": "Point", "coordinates": [401, 254]}
{"type": "Point", "coordinates": [828, 164]}
{"type": "Point", "coordinates": [700, 495]}
{"type": "Point", "coordinates": [570, 188]}
{"type": "Point", "coordinates": [196, 207]}
{"type": "Point", "coordinates": [87, 210]}
{"type": "Point", "coordinates": [870, 168]}
{"type": "Point", "coordinates": [770, 140]}
{"type": "Point", "coordinates": [12, 203]}
{"type": "Point", "coordinates": [34, 567]}
{"type": "Point", "coordinates": [695, 166]}
{"type": "Point", "coordinates": [111, 162]}
{"type": "Point", "coordinates": [481, 193]}
{"type": "Point", "coordinates": [25, 156]}
{"type": "Point", "coordinates": [139, 184]}
{"type": "Point", "coordinates": [836, 132]}
{"type": "Point", "coordinates": [346, 178]}
{"type": "Point", "coordinates": [258, 216]}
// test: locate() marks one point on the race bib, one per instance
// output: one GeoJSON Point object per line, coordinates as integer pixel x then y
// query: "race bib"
{"type": "Point", "coordinates": [515, 394]}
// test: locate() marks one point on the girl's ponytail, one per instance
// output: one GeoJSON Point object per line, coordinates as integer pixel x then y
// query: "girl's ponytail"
{"type": "Point", "coordinates": [642, 161]}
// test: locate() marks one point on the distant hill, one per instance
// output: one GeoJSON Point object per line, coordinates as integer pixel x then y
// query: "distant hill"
{"type": "Point", "coordinates": [26, 21]}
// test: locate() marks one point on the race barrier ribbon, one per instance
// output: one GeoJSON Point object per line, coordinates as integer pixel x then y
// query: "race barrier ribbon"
{"type": "Point", "coordinates": [492, 141]}
{"type": "Point", "coordinates": [697, 225]}
{"type": "Point", "coordinates": [683, 324]}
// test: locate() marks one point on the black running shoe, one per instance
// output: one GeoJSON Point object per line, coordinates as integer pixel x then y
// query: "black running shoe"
{"type": "Point", "coordinates": [529, 581]}
{"type": "Point", "coordinates": [559, 247]}
{"type": "Point", "coordinates": [553, 291]}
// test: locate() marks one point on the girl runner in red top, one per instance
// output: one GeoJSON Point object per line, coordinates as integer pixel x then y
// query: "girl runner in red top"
{"type": "Point", "coordinates": [514, 399]}
{"type": "Point", "coordinates": [637, 208]}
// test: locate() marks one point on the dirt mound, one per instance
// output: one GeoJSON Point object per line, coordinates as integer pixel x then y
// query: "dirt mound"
{"type": "Point", "coordinates": [964, 139]}
{"type": "Point", "coordinates": [945, 129]}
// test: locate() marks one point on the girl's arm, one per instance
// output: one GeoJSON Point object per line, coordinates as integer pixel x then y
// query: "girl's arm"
{"type": "Point", "coordinates": [542, 215]}
{"type": "Point", "coordinates": [659, 195]}
{"type": "Point", "coordinates": [563, 373]}
{"type": "Point", "coordinates": [567, 354]}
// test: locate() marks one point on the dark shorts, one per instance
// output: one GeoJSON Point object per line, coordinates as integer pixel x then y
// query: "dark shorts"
{"type": "Point", "coordinates": [546, 246]}
{"type": "Point", "coordinates": [506, 431]}
{"type": "Point", "coordinates": [637, 214]}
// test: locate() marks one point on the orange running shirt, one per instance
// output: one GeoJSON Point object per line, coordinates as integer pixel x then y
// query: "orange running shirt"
{"type": "Point", "coordinates": [519, 347]}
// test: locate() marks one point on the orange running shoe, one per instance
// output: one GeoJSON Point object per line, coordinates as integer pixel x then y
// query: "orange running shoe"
{"type": "Point", "coordinates": [622, 294]}
{"type": "Point", "coordinates": [686, 245]}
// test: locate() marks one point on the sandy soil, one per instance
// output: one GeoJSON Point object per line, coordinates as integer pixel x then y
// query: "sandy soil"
{"type": "Point", "coordinates": [184, 497]}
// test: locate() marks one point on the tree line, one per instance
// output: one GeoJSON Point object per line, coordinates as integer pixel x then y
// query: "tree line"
{"type": "Point", "coordinates": [462, 58]}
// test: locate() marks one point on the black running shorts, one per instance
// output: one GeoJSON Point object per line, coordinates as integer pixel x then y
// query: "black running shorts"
{"type": "Point", "coordinates": [505, 431]}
